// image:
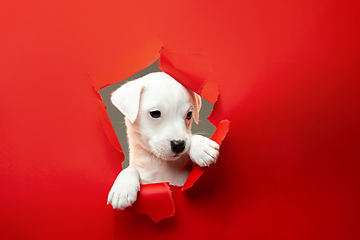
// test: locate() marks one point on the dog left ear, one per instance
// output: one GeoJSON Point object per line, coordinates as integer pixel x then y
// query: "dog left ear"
{"type": "Point", "coordinates": [197, 107]}
{"type": "Point", "coordinates": [127, 99]}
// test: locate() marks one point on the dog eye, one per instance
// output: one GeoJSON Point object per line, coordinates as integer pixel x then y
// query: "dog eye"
{"type": "Point", "coordinates": [189, 115]}
{"type": "Point", "coordinates": [155, 114]}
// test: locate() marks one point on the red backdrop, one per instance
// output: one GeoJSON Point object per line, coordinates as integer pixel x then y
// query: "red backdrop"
{"type": "Point", "coordinates": [288, 80]}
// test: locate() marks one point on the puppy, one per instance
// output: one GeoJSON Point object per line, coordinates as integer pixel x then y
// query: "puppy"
{"type": "Point", "coordinates": [158, 115]}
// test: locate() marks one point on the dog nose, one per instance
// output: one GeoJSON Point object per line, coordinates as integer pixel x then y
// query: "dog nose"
{"type": "Point", "coordinates": [177, 146]}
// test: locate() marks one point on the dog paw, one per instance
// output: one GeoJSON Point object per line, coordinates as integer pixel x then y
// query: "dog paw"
{"type": "Point", "coordinates": [125, 188]}
{"type": "Point", "coordinates": [203, 151]}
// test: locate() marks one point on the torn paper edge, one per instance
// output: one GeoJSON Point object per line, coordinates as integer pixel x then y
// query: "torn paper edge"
{"type": "Point", "coordinates": [147, 197]}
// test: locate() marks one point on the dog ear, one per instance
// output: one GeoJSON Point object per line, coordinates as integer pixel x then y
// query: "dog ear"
{"type": "Point", "coordinates": [127, 99]}
{"type": "Point", "coordinates": [197, 107]}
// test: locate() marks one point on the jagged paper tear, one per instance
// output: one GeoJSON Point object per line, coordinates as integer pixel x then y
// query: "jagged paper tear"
{"type": "Point", "coordinates": [191, 70]}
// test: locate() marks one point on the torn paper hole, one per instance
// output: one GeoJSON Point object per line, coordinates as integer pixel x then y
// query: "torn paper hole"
{"type": "Point", "coordinates": [204, 127]}
{"type": "Point", "coordinates": [196, 78]}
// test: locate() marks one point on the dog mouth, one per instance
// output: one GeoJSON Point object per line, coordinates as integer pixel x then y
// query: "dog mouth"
{"type": "Point", "coordinates": [173, 157]}
{"type": "Point", "coordinates": [167, 157]}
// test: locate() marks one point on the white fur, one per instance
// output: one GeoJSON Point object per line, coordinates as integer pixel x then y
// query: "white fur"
{"type": "Point", "coordinates": [152, 159]}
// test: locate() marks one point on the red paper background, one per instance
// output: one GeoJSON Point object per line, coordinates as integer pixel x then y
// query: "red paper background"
{"type": "Point", "coordinates": [288, 75]}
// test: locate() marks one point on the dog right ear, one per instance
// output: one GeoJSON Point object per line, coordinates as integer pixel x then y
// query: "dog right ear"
{"type": "Point", "coordinates": [127, 99]}
{"type": "Point", "coordinates": [197, 107]}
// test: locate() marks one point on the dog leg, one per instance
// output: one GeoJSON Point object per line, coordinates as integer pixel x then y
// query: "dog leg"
{"type": "Point", "coordinates": [125, 188]}
{"type": "Point", "coordinates": [203, 151]}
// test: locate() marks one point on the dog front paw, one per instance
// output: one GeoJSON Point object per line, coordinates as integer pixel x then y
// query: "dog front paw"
{"type": "Point", "coordinates": [203, 151]}
{"type": "Point", "coordinates": [125, 188]}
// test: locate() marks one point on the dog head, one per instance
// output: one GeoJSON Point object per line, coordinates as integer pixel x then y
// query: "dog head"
{"type": "Point", "coordinates": [159, 112]}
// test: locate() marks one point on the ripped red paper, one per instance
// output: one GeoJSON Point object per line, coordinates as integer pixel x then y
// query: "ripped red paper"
{"type": "Point", "coordinates": [109, 130]}
{"type": "Point", "coordinates": [218, 137]}
{"type": "Point", "coordinates": [155, 200]}
{"type": "Point", "coordinates": [287, 74]}
{"type": "Point", "coordinates": [193, 71]}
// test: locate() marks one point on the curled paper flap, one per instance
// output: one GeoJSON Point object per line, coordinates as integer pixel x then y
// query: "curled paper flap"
{"type": "Point", "coordinates": [105, 120]}
{"type": "Point", "coordinates": [155, 200]}
{"type": "Point", "coordinates": [193, 70]}
{"type": "Point", "coordinates": [218, 137]}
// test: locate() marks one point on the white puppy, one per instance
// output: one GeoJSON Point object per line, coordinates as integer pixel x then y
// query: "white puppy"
{"type": "Point", "coordinates": [158, 114]}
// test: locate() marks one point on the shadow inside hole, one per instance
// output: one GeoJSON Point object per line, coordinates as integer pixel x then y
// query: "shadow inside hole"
{"type": "Point", "coordinates": [204, 128]}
